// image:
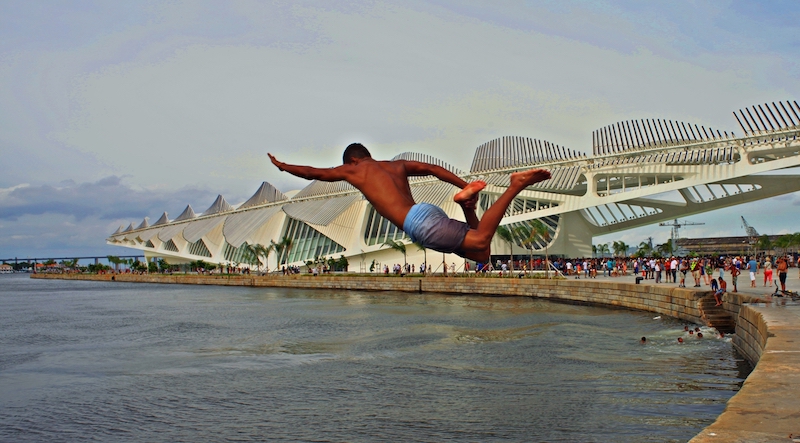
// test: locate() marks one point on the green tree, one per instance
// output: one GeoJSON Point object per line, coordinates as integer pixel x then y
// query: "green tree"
{"type": "Point", "coordinates": [620, 248]}
{"type": "Point", "coordinates": [763, 244]}
{"type": "Point", "coordinates": [528, 236]}
{"type": "Point", "coordinates": [540, 229]}
{"type": "Point", "coordinates": [645, 249]}
{"type": "Point", "coordinates": [342, 263]}
{"type": "Point", "coordinates": [783, 243]}
{"type": "Point", "coordinates": [114, 260]}
{"type": "Point", "coordinates": [397, 246]}
{"type": "Point", "coordinates": [602, 249]}
{"type": "Point", "coordinates": [265, 251]}
{"type": "Point", "coordinates": [507, 236]}
{"type": "Point", "coordinates": [665, 249]}
{"type": "Point", "coordinates": [283, 248]}
{"type": "Point", "coordinates": [251, 255]}
{"type": "Point", "coordinates": [424, 253]}
{"type": "Point", "coordinates": [138, 266]}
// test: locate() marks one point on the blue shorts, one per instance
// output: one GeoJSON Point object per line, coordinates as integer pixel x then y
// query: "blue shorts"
{"type": "Point", "coordinates": [430, 226]}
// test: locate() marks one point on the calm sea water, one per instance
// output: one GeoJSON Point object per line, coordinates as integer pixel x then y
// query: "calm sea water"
{"type": "Point", "coordinates": [90, 361]}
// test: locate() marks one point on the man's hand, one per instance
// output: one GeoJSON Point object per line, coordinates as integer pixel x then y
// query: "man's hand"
{"type": "Point", "coordinates": [275, 161]}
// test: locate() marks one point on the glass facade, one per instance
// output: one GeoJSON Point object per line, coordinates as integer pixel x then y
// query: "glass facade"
{"type": "Point", "coordinates": [380, 230]}
{"type": "Point", "coordinates": [307, 243]}
{"type": "Point", "coordinates": [170, 246]}
{"type": "Point", "coordinates": [199, 248]}
{"type": "Point", "coordinates": [241, 254]}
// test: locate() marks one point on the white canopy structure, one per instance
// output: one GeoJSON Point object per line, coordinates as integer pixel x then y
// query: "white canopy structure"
{"type": "Point", "coordinates": [640, 172]}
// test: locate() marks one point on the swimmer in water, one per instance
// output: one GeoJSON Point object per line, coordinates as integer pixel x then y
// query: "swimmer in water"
{"type": "Point", "coordinates": [643, 340]}
{"type": "Point", "coordinates": [699, 335]}
{"type": "Point", "coordinates": [680, 339]}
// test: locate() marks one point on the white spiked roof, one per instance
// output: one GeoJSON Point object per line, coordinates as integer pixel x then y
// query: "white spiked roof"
{"type": "Point", "coordinates": [187, 214]}
{"type": "Point", "coordinates": [266, 194]}
{"type": "Point", "coordinates": [219, 205]}
{"type": "Point", "coordinates": [144, 223]}
{"type": "Point", "coordinates": [163, 220]}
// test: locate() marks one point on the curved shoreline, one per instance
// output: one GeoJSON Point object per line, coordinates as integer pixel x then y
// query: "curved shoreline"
{"type": "Point", "coordinates": [766, 409]}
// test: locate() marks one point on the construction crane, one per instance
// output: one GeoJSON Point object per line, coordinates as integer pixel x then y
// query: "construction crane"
{"type": "Point", "coordinates": [675, 227]}
{"type": "Point", "coordinates": [752, 234]}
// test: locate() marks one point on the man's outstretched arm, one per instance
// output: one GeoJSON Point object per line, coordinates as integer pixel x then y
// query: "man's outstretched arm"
{"type": "Point", "coordinates": [311, 173]}
{"type": "Point", "coordinates": [414, 168]}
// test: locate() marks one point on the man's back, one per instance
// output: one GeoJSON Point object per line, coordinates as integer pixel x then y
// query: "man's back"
{"type": "Point", "coordinates": [385, 185]}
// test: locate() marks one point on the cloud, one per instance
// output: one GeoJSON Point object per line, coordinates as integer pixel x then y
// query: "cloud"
{"type": "Point", "coordinates": [106, 199]}
{"type": "Point", "coordinates": [147, 105]}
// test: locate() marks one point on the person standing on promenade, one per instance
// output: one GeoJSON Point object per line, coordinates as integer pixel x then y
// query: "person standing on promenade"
{"type": "Point", "coordinates": [684, 269]}
{"type": "Point", "coordinates": [694, 266]}
{"type": "Point", "coordinates": [734, 277]}
{"type": "Point", "coordinates": [385, 185]}
{"type": "Point", "coordinates": [752, 266]}
{"type": "Point", "coordinates": [673, 267]}
{"type": "Point", "coordinates": [658, 270]}
{"type": "Point", "coordinates": [767, 271]}
{"type": "Point", "coordinates": [782, 268]}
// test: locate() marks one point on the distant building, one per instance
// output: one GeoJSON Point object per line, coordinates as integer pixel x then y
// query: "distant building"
{"type": "Point", "coordinates": [723, 245]}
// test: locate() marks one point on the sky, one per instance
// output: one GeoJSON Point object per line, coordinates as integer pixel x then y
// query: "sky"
{"type": "Point", "coordinates": [115, 111]}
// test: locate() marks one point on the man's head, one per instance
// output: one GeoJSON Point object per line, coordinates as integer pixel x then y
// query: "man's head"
{"type": "Point", "coordinates": [355, 150]}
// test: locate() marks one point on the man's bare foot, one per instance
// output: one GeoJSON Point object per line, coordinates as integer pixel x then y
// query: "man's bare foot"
{"type": "Point", "coordinates": [469, 191]}
{"type": "Point", "coordinates": [529, 177]}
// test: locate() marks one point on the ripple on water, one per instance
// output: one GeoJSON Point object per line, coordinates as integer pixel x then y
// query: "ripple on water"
{"type": "Point", "coordinates": [115, 363]}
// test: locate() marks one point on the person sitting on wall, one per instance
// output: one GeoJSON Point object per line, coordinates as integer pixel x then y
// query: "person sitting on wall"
{"type": "Point", "coordinates": [719, 292]}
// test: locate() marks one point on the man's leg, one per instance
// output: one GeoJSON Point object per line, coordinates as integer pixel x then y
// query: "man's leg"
{"type": "Point", "coordinates": [478, 241]}
{"type": "Point", "coordinates": [469, 207]}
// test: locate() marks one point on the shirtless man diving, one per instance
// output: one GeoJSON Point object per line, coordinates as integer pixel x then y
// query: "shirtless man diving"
{"type": "Point", "coordinates": [385, 186]}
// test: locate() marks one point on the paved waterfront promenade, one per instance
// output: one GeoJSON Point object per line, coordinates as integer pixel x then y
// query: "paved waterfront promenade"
{"type": "Point", "coordinates": [767, 409]}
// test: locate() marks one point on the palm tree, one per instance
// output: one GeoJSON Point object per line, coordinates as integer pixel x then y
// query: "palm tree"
{"type": "Point", "coordinates": [645, 249]}
{"type": "Point", "coordinates": [264, 251]}
{"type": "Point", "coordinates": [397, 246]}
{"type": "Point", "coordinates": [278, 248]}
{"type": "Point", "coordinates": [540, 229]}
{"type": "Point", "coordinates": [796, 240]}
{"type": "Point", "coordinates": [116, 261]}
{"type": "Point", "coordinates": [425, 254]}
{"type": "Point", "coordinates": [506, 235]}
{"type": "Point", "coordinates": [763, 244]}
{"type": "Point", "coordinates": [594, 251]}
{"type": "Point", "coordinates": [602, 249]}
{"type": "Point", "coordinates": [620, 248]}
{"type": "Point", "coordinates": [285, 245]}
{"type": "Point", "coordinates": [528, 236]}
{"type": "Point", "coordinates": [251, 255]}
{"type": "Point", "coordinates": [665, 249]}
{"type": "Point", "coordinates": [783, 242]}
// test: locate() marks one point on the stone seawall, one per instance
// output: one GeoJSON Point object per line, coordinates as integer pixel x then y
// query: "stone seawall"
{"type": "Point", "coordinates": [766, 409]}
